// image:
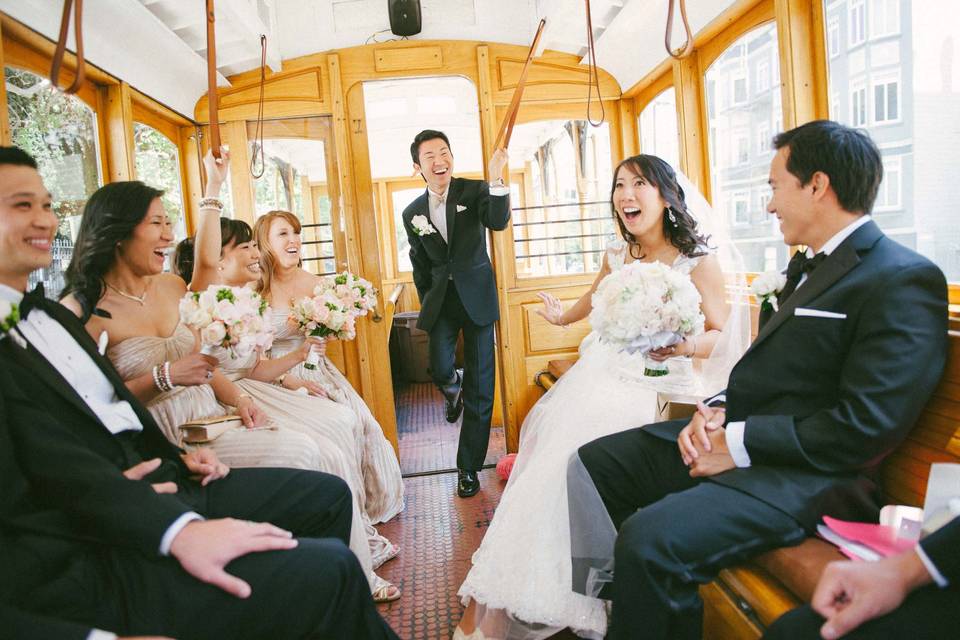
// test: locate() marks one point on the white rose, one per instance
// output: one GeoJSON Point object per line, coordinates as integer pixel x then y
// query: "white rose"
{"type": "Point", "coordinates": [213, 334]}
{"type": "Point", "coordinates": [768, 283]}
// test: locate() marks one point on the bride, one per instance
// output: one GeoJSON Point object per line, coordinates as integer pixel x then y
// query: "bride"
{"type": "Point", "coordinates": [520, 584]}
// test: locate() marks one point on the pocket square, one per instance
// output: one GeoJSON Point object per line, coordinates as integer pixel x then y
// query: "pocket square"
{"type": "Point", "coordinates": [461, 208]}
{"type": "Point", "coordinates": [817, 313]}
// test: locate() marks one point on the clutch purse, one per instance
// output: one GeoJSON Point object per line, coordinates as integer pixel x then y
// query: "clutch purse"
{"type": "Point", "coordinates": [208, 429]}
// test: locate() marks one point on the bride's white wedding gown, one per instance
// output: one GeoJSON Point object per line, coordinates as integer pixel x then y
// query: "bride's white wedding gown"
{"type": "Point", "coordinates": [523, 565]}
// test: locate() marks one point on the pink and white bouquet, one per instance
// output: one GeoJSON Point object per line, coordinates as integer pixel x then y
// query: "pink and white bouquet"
{"type": "Point", "coordinates": [227, 317]}
{"type": "Point", "coordinates": [646, 306]}
{"type": "Point", "coordinates": [356, 294]}
{"type": "Point", "coordinates": [333, 309]}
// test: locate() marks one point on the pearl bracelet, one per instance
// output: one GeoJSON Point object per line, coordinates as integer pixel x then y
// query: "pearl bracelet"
{"type": "Point", "coordinates": [211, 203]}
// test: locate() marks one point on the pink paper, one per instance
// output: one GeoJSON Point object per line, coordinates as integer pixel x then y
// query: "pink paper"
{"type": "Point", "coordinates": [882, 539]}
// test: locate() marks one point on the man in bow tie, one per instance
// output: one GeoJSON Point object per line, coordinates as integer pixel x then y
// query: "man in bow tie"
{"type": "Point", "coordinates": [832, 384]}
{"type": "Point", "coordinates": [447, 229]}
{"type": "Point", "coordinates": [105, 525]}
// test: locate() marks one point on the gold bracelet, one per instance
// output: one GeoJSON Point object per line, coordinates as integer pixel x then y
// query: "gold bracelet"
{"type": "Point", "coordinates": [236, 401]}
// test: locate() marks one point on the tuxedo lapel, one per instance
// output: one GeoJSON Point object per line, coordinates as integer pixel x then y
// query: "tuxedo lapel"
{"type": "Point", "coordinates": [72, 325]}
{"type": "Point", "coordinates": [33, 360]}
{"type": "Point", "coordinates": [835, 267]}
{"type": "Point", "coordinates": [453, 197]}
{"type": "Point", "coordinates": [423, 209]}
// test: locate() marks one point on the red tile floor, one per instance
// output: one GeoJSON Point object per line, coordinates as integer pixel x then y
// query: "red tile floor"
{"type": "Point", "coordinates": [438, 532]}
{"type": "Point", "coordinates": [427, 441]}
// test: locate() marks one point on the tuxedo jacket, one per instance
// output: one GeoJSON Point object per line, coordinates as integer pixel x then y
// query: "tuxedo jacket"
{"type": "Point", "coordinates": [835, 380]}
{"type": "Point", "coordinates": [943, 548]}
{"type": "Point", "coordinates": [464, 256]}
{"type": "Point", "coordinates": [72, 492]}
{"type": "Point", "coordinates": [25, 552]}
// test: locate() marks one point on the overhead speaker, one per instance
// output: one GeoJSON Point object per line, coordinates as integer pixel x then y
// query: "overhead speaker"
{"type": "Point", "coordinates": [404, 17]}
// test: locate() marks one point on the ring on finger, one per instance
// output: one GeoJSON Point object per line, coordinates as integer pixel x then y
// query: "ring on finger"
{"type": "Point", "coordinates": [209, 374]}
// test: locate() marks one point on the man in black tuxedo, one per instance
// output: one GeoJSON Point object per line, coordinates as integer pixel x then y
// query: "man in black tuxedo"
{"type": "Point", "coordinates": [832, 383]}
{"type": "Point", "coordinates": [447, 229]}
{"type": "Point", "coordinates": [87, 543]}
{"type": "Point", "coordinates": [911, 595]}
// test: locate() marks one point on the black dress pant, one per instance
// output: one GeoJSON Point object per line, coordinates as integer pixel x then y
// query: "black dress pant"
{"type": "Point", "coordinates": [927, 614]}
{"type": "Point", "coordinates": [316, 590]}
{"type": "Point", "coordinates": [478, 375]}
{"type": "Point", "coordinates": [684, 532]}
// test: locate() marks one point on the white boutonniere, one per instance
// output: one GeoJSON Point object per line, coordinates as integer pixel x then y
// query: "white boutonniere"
{"type": "Point", "coordinates": [422, 226]}
{"type": "Point", "coordinates": [461, 208]}
{"type": "Point", "coordinates": [9, 317]}
{"type": "Point", "coordinates": [766, 286]}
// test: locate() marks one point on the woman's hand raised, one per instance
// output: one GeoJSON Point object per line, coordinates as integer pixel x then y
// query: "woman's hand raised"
{"type": "Point", "coordinates": [552, 310]}
{"type": "Point", "coordinates": [192, 369]}
{"type": "Point", "coordinates": [217, 170]}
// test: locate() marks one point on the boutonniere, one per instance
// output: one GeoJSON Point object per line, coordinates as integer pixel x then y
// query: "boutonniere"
{"type": "Point", "coordinates": [461, 208]}
{"type": "Point", "coordinates": [9, 317]}
{"type": "Point", "coordinates": [766, 286]}
{"type": "Point", "coordinates": [422, 226]}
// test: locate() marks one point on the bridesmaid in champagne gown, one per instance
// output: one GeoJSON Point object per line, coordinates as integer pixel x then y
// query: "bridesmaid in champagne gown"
{"type": "Point", "coordinates": [118, 264]}
{"type": "Point", "coordinates": [283, 280]}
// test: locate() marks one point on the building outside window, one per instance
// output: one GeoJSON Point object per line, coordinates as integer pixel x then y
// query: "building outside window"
{"type": "Point", "coordinates": [904, 90]}
{"type": "Point", "coordinates": [884, 18]}
{"type": "Point", "coordinates": [858, 22]}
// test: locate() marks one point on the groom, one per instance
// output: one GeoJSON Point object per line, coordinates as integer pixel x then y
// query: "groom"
{"type": "Point", "coordinates": [832, 383]}
{"type": "Point", "coordinates": [447, 228]}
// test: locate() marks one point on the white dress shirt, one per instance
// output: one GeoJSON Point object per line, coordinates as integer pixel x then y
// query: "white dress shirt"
{"type": "Point", "coordinates": [734, 430]}
{"type": "Point", "coordinates": [76, 366]}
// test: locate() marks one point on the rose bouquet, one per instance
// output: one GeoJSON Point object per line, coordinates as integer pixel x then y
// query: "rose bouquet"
{"type": "Point", "coordinates": [357, 295]}
{"type": "Point", "coordinates": [227, 317]}
{"type": "Point", "coordinates": [646, 306]}
{"type": "Point", "coordinates": [332, 311]}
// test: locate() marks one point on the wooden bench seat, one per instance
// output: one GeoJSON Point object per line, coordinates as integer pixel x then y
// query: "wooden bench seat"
{"type": "Point", "coordinates": [745, 599]}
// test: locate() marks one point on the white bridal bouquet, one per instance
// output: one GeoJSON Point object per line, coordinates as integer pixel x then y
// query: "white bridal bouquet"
{"type": "Point", "coordinates": [646, 306]}
{"type": "Point", "coordinates": [332, 311]}
{"type": "Point", "coordinates": [228, 317]}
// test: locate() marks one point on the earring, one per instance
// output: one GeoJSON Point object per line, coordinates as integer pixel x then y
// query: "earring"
{"type": "Point", "coordinates": [673, 218]}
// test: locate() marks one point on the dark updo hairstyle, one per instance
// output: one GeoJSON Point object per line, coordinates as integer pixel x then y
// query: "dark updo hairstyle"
{"type": "Point", "coordinates": [109, 218]}
{"type": "Point", "coordinates": [183, 259]}
{"type": "Point", "coordinates": [231, 232]}
{"type": "Point", "coordinates": [679, 227]}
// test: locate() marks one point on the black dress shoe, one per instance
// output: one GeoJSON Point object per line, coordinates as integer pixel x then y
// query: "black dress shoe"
{"type": "Point", "coordinates": [467, 483]}
{"type": "Point", "coordinates": [454, 401]}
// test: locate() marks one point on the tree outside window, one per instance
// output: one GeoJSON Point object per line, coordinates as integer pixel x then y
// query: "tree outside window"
{"type": "Point", "coordinates": [158, 165]}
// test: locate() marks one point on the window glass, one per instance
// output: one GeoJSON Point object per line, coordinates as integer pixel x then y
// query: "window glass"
{"type": "Point", "coordinates": [60, 132]}
{"type": "Point", "coordinates": [158, 164]}
{"type": "Point", "coordinates": [566, 223]}
{"type": "Point", "coordinates": [904, 89]}
{"type": "Point", "coordinates": [659, 134]}
{"type": "Point", "coordinates": [739, 169]}
{"type": "Point", "coordinates": [295, 179]}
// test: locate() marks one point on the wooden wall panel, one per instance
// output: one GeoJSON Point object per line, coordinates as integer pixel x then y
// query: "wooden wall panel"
{"type": "Point", "coordinates": [420, 58]}
{"type": "Point", "coordinates": [286, 94]}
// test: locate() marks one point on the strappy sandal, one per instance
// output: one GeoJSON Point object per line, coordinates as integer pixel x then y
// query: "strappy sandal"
{"type": "Point", "coordinates": [385, 591]}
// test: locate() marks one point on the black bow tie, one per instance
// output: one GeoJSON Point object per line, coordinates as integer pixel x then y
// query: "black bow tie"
{"type": "Point", "coordinates": [800, 264]}
{"type": "Point", "coordinates": [35, 299]}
